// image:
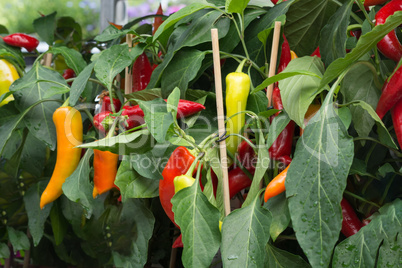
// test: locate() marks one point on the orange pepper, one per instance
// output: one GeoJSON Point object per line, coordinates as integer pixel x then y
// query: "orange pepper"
{"type": "Point", "coordinates": [277, 185]}
{"type": "Point", "coordinates": [105, 170]}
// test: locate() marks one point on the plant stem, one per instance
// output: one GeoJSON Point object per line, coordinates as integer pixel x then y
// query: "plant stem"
{"type": "Point", "coordinates": [376, 141]}
{"type": "Point", "coordinates": [362, 199]}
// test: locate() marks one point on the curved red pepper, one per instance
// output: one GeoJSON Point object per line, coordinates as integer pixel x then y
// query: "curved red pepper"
{"type": "Point", "coordinates": [142, 72]}
{"type": "Point", "coordinates": [396, 114]}
{"type": "Point", "coordinates": [351, 224]}
{"type": "Point", "coordinates": [285, 55]}
{"type": "Point", "coordinates": [389, 45]}
{"type": "Point", "coordinates": [136, 115]}
{"type": "Point", "coordinates": [178, 164]}
{"type": "Point", "coordinates": [246, 156]}
{"type": "Point", "coordinates": [391, 93]}
{"type": "Point", "coordinates": [368, 3]}
{"type": "Point", "coordinates": [238, 181]}
{"type": "Point", "coordinates": [158, 20]}
{"type": "Point", "coordinates": [21, 40]}
{"type": "Point", "coordinates": [282, 146]}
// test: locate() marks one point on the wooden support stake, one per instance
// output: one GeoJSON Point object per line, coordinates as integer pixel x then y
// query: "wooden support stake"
{"type": "Point", "coordinates": [47, 59]}
{"type": "Point", "coordinates": [221, 118]}
{"type": "Point", "coordinates": [128, 81]}
{"type": "Point", "coordinates": [274, 57]}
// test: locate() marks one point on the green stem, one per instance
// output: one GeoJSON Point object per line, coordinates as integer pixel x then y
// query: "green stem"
{"type": "Point", "coordinates": [353, 27]}
{"type": "Point", "coordinates": [241, 37]}
{"type": "Point", "coordinates": [237, 56]}
{"type": "Point", "coordinates": [385, 193]}
{"type": "Point", "coordinates": [379, 142]}
{"type": "Point", "coordinates": [363, 9]}
{"type": "Point", "coordinates": [194, 164]}
{"type": "Point", "coordinates": [240, 67]}
{"type": "Point", "coordinates": [362, 199]}
{"type": "Point", "coordinates": [112, 128]}
{"type": "Point", "coordinates": [66, 102]}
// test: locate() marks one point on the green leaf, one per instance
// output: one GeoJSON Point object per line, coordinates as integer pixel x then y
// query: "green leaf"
{"type": "Point", "coordinates": [18, 239]}
{"type": "Point", "coordinates": [145, 95]}
{"type": "Point", "coordinates": [281, 76]}
{"type": "Point", "coordinates": [143, 220]}
{"type": "Point", "coordinates": [345, 116]}
{"type": "Point", "coordinates": [278, 124]}
{"type": "Point", "coordinates": [12, 166]}
{"type": "Point", "coordinates": [77, 186]}
{"type": "Point", "coordinates": [315, 183]}
{"type": "Point", "coordinates": [73, 58]}
{"type": "Point", "coordinates": [80, 83]}
{"type": "Point", "coordinates": [257, 102]}
{"type": "Point", "coordinates": [27, 91]}
{"type": "Point", "coordinates": [365, 44]}
{"type": "Point", "coordinates": [45, 27]}
{"type": "Point", "coordinates": [304, 21]}
{"type": "Point", "coordinates": [157, 119]}
{"type": "Point", "coordinates": [4, 251]}
{"type": "Point", "coordinates": [280, 258]}
{"type": "Point", "coordinates": [182, 70]}
{"type": "Point", "coordinates": [184, 12]}
{"type": "Point", "coordinates": [333, 34]}
{"type": "Point", "coordinates": [58, 222]}
{"type": "Point", "coordinates": [245, 233]}
{"type": "Point", "coordinates": [111, 62]}
{"type": "Point", "coordinates": [12, 54]}
{"type": "Point", "coordinates": [133, 185]}
{"type": "Point", "coordinates": [199, 223]}
{"type": "Point", "coordinates": [361, 249]}
{"type": "Point", "coordinates": [111, 33]}
{"type": "Point", "coordinates": [390, 252]}
{"type": "Point", "coordinates": [383, 133]}
{"type": "Point", "coordinates": [299, 91]}
{"type": "Point", "coordinates": [55, 91]}
{"type": "Point", "coordinates": [173, 102]}
{"type": "Point", "coordinates": [236, 6]}
{"type": "Point", "coordinates": [358, 84]}
{"type": "Point", "coordinates": [36, 216]}
{"type": "Point", "coordinates": [278, 206]}
{"type": "Point", "coordinates": [139, 141]}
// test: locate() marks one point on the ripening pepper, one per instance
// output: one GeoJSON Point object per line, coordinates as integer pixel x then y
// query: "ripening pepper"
{"type": "Point", "coordinates": [68, 124]}
{"type": "Point", "coordinates": [237, 91]}
{"type": "Point", "coordinates": [391, 93]}
{"type": "Point", "coordinates": [106, 104]}
{"type": "Point", "coordinates": [105, 170]}
{"type": "Point", "coordinates": [396, 114]}
{"type": "Point", "coordinates": [389, 45]}
{"type": "Point", "coordinates": [351, 224]}
{"type": "Point", "coordinates": [246, 156]}
{"type": "Point", "coordinates": [21, 40]}
{"type": "Point", "coordinates": [276, 186]}
{"type": "Point", "coordinates": [157, 20]}
{"type": "Point", "coordinates": [8, 74]}
{"type": "Point", "coordinates": [67, 74]}
{"type": "Point", "coordinates": [286, 55]}
{"type": "Point", "coordinates": [142, 72]}
{"type": "Point", "coordinates": [368, 3]}
{"type": "Point", "coordinates": [182, 181]}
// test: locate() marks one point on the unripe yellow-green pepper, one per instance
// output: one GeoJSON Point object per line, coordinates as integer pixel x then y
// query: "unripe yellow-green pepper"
{"type": "Point", "coordinates": [237, 91]}
{"type": "Point", "coordinates": [182, 181]}
{"type": "Point", "coordinates": [8, 74]}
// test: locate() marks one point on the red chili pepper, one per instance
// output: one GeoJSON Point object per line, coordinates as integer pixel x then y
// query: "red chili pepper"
{"type": "Point", "coordinates": [178, 243]}
{"type": "Point", "coordinates": [238, 181]}
{"type": "Point", "coordinates": [142, 71]}
{"type": "Point", "coordinates": [136, 115]}
{"type": "Point", "coordinates": [106, 104]}
{"type": "Point", "coordinates": [98, 119]}
{"type": "Point", "coordinates": [389, 45]}
{"type": "Point", "coordinates": [391, 93]}
{"type": "Point", "coordinates": [21, 40]}
{"type": "Point", "coordinates": [158, 20]}
{"type": "Point", "coordinates": [67, 74]}
{"type": "Point", "coordinates": [276, 1]}
{"type": "Point", "coordinates": [368, 3]}
{"type": "Point", "coordinates": [351, 224]}
{"type": "Point", "coordinates": [285, 55]}
{"type": "Point", "coordinates": [178, 164]}
{"type": "Point", "coordinates": [316, 52]}
{"type": "Point", "coordinates": [282, 146]}
{"type": "Point", "coordinates": [246, 156]}
{"type": "Point", "coordinates": [396, 114]}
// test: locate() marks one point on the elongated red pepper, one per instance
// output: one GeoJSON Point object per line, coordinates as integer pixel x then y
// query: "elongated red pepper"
{"type": "Point", "coordinates": [282, 146]}
{"type": "Point", "coordinates": [286, 57]}
{"type": "Point", "coordinates": [391, 93]}
{"type": "Point", "coordinates": [396, 114]}
{"type": "Point", "coordinates": [142, 72]}
{"type": "Point", "coordinates": [351, 224]}
{"type": "Point", "coordinates": [21, 40]}
{"type": "Point", "coordinates": [247, 156]}
{"type": "Point", "coordinates": [178, 164]}
{"type": "Point", "coordinates": [238, 181]}
{"type": "Point", "coordinates": [136, 115]}
{"type": "Point", "coordinates": [368, 3]}
{"type": "Point", "coordinates": [158, 20]}
{"type": "Point", "coordinates": [389, 45]}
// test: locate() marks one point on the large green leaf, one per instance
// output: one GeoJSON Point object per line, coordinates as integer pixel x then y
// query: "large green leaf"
{"type": "Point", "coordinates": [33, 156]}
{"type": "Point", "coordinates": [361, 249]}
{"type": "Point", "coordinates": [390, 252]}
{"type": "Point", "coordinates": [304, 22]}
{"type": "Point", "coordinates": [32, 88]}
{"type": "Point", "coordinates": [12, 54]}
{"type": "Point", "coordinates": [236, 6]}
{"type": "Point", "coordinates": [77, 186]}
{"type": "Point", "coordinates": [18, 239]}
{"type": "Point", "coordinates": [278, 258]}
{"type": "Point", "coordinates": [315, 183]}
{"type": "Point", "coordinates": [278, 206]}
{"type": "Point", "coordinates": [45, 27]}
{"type": "Point", "coordinates": [58, 222]}
{"type": "Point", "coordinates": [133, 185]}
{"type": "Point", "coordinates": [365, 44]}
{"type": "Point", "coordinates": [358, 84]}
{"type": "Point", "coordinates": [245, 233]}
{"type": "Point", "coordinates": [333, 34]}
{"type": "Point", "coordinates": [199, 223]}
{"type": "Point", "coordinates": [79, 83]}
{"type": "Point", "coordinates": [182, 69]}
{"type": "Point", "coordinates": [299, 91]}
{"type": "Point", "coordinates": [4, 251]}
{"type": "Point", "coordinates": [135, 211]}
{"type": "Point", "coordinates": [73, 58]}
{"type": "Point", "coordinates": [36, 216]}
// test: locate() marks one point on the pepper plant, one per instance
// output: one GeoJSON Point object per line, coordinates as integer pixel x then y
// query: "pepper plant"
{"type": "Point", "coordinates": [337, 203]}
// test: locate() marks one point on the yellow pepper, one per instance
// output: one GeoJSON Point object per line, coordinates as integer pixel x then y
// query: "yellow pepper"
{"type": "Point", "coordinates": [237, 91]}
{"type": "Point", "coordinates": [8, 74]}
{"type": "Point", "coordinates": [182, 181]}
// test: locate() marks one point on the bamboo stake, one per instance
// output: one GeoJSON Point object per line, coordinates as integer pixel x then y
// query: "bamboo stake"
{"type": "Point", "coordinates": [47, 59]}
{"type": "Point", "coordinates": [274, 57]}
{"type": "Point", "coordinates": [221, 118]}
{"type": "Point", "coordinates": [128, 82]}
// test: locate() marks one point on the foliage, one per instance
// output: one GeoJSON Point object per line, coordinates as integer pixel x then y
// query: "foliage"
{"type": "Point", "coordinates": [345, 150]}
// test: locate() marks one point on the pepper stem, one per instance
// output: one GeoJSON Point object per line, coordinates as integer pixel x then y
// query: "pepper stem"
{"type": "Point", "coordinates": [66, 103]}
{"type": "Point", "coordinates": [240, 67]}
{"type": "Point", "coordinates": [194, 164]}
